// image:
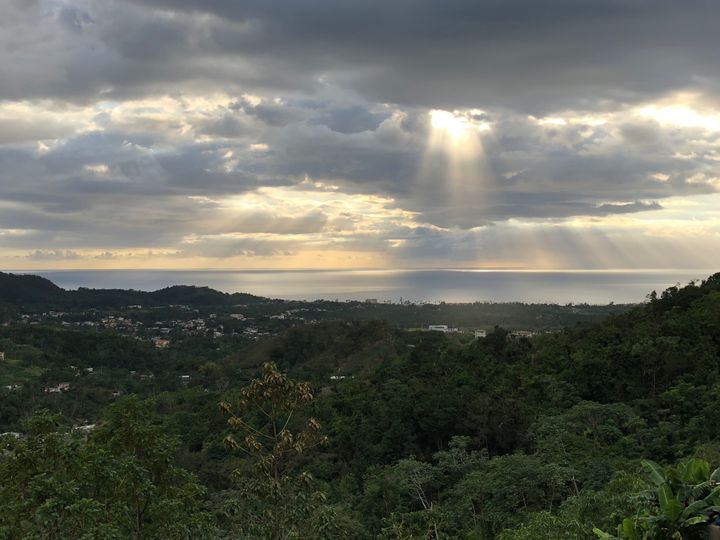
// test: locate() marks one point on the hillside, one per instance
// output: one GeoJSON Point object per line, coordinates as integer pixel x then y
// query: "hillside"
{"type": "Point", "coordinates": [30, 290]}
{"type": "Point", "coordinates": [429, 434]}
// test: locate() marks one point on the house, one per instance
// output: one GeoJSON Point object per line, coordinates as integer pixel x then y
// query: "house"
{"type": "Point", "coordinates": [441, 328]}
{"type": "Point", "coordinates": [161, 343]}
{"type": "Point", "coordinates": [60, 387]}
{"type": "Point", "coordinates": [2, 356]}
{"type": "Point", "coordinates": [517, 334]}
{"type": "Point", "coordinates": [185, 379]}
{"type": "Point", "coordinates": [480, 333]}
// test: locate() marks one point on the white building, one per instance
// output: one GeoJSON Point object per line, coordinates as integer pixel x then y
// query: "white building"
{"type": "Point", "coordinates": [441, 328]}
{"type": "Point", "coordinates": [438, 328]}
{"type": "Point", "coordinates": [61, 387]}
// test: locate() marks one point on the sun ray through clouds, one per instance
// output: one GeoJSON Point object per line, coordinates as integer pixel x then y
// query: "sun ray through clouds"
{"type": "Point", "coordinates": [454, 177]}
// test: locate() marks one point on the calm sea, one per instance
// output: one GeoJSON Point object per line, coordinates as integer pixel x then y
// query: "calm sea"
{"type": "Point", "coordinates": [594, 287]}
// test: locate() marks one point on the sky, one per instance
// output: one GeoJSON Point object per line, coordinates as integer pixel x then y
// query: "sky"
{"type": "Point", "coordinates": [509, 134]}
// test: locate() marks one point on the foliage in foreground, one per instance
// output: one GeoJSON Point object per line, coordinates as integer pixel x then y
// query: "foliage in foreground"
{"type": "Point", "coordinates": [502, 438]}
{"type": "Point", "coordinates": [119, 482]}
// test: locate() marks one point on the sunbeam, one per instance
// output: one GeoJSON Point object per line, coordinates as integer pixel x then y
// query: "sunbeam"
{"type": "Point", "coordinates": [453, 179]}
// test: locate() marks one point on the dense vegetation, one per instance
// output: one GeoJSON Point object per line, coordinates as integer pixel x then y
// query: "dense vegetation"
{"type": "Point", "coordinates": [603, 431]}
{"type": "Point", "coordinates": [32, 290]}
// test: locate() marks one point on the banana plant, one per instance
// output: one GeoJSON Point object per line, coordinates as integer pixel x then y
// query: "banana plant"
{"type": "Point", "coordinates": [683, 500]}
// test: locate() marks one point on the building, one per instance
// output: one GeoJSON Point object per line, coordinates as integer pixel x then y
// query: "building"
{"type": "Point", "coordinates": [161, 343]}
{"type": "Point", "coordinates": [480, 333]}
{"type": "Point", "coordinates": [438, 328]}
{"type": "Point", "coordinates": [517, 334]}
{"type": "Point", "coordinates": [2, 356]}
{"type": "Point", "coordinates": [60, 387]}
{"type": "Point", "coordinates": [441, 328]}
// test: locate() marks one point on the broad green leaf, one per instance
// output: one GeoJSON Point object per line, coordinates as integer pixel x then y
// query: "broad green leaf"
{"type": "Point", "coordinates": [629, 529]}
{"type": "Point", "coordinates": [694, 508]}
{"type": "Point", "coordinates": [713, 497]}
{"type": "Point", "coordinates": [715, 476]}
{"type": "Point", "coordinates": [655, 471]}
{"type": "Point", "coordinates": [696, 471]}
{"type": "Point", "coordinates": [603, 534]}
{"type": "Point", "coordinates": [670, 506]}
{"type": "Point", "coordinates": [694, 521]}
{"type": "Point", "coordinates": [665, 495]}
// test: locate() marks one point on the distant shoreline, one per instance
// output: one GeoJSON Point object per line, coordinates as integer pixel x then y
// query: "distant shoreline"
{"type": "Point", "coordinates": [453, 286]}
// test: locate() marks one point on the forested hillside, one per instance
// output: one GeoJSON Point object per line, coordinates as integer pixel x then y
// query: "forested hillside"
{"type": "Point", "coordinates": [31, 290]}
{"type": "Point", "coordinates": [363, 430]}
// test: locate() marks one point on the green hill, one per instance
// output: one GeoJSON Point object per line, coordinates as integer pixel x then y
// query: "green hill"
{"type": "Point", "coordinates": [28, 290]}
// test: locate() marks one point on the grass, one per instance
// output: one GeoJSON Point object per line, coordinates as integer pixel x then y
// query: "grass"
{"type": "Point", "coordinates": [14, 371]}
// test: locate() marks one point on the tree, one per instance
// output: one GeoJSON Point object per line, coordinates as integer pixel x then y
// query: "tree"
{"type": "Point", "coordinates": [158, 498]}
{"type": "Point", "coordinates": [272, 435]}
{"type": "Point", "coordinates": [120, 482]}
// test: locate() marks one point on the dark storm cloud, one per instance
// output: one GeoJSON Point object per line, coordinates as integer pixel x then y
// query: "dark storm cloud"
{"type": "Point", "coordinates": [351, 119]}
{"type": "Point", "coordinates": [272, 114]}
{"type": "Point", "coordinates": [535, 55]}
{"type": "Point", "coordinates": [519, 53]}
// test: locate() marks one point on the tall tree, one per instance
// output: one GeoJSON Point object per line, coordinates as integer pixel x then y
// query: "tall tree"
{"type": "Point", "coordinates": [272, 432]}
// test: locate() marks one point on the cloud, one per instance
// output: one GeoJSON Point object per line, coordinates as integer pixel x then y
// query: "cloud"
{"type": "Point", "coordinates": [463, 52]}
{"type": "Point", "coordinates": [229, 246]}
{"type": "Point", "coordinates": [223, 129]}
{"type": "Point", "coordinates": [353, 119]}
{"type": "Point", "coordinates": [54, 255]}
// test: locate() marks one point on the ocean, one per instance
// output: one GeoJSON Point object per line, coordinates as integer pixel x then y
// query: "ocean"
{"type": "Point", "coordinates": [592, 287]}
